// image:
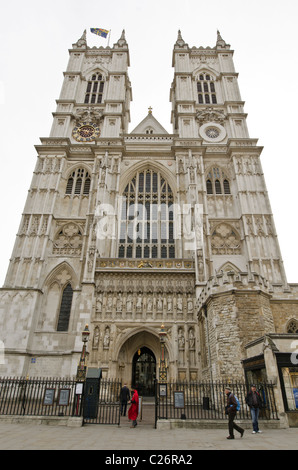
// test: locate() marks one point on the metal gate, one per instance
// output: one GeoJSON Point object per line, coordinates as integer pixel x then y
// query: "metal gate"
{"type": "Point", "coordinates": [107, 409]}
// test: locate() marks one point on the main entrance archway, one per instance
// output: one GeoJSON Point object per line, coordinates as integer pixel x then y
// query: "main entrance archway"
{"type": "Point", "coordinates": [144, 371]}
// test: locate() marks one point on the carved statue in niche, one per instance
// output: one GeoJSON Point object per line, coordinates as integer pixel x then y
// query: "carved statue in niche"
{"type": "Point", "coordinates": [179, 304]}
{"type": "Point", "coordinates": [106, 339]}
{"type": "Point", "coordinates": [99, 302]}
{"type": "Point", "coordinates": [119, 303]}
{"type": "Point", "coordinates": [159, 303]}
{"type": "Point", "coordinates": [192, 346]}
{"type": "Point", "coordinates": [149, 304]}
{"type": "Point", "coordinates": [192, 340]}
{"type": "Point", "coordinates": [129, 303]}
{"type": "Point", "coordinates": [181, 339]}
{"type": "Point", "coordinates": [170, 303]}
{"type": "Point", "coordinates": [110, 303]}
{"type": "Point", "coordinates": [189, 303]}
{"type": "Point", "coordinates": [181, 345]}
{"type": "Point", "coordinates": [200, 265]}
{"type": "Point", "coordinates": [96, 338]}
{"type": "Point", "coordinates": [139, 303]}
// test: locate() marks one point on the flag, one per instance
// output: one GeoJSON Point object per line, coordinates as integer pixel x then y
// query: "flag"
{"type": "Point", "coordinates": [100, 32]}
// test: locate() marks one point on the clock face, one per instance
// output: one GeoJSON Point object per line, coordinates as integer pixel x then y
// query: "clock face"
{"type": "Point", "coordinates": [86, 132]}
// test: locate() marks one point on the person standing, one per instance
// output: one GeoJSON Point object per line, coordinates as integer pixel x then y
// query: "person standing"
{"type": "Point", "coordinates": [134, 408]}
{"type": "Point", "coordinates": [231, 410]}
{"type": "Point", "coordinates": [124, 398]}
{"type": "Point", "coordinates": [254, 401]}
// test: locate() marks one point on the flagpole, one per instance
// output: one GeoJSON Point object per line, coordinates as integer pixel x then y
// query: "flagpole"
{"type": "Point", "coordinates": [109, 38]}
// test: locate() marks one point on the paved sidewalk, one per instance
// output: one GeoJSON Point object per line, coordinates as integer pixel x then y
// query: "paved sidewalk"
{"type": "Point", "coordinates": [32, 436]}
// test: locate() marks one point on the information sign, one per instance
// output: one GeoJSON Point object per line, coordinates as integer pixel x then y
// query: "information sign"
{"type": "Point", "coordinates": [178, 399]}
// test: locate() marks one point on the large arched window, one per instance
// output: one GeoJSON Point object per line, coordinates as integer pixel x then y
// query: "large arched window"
{"type": "Point", "coordinates": [147, 218]}
{"type": "Point", "coordinates": [217, 182]}
{"type": "Point", "coordinates": [206, 89]}
{"type": "Point", "coordinates": [65, 308]}
{"type": "Point", "coordinates": [94, 91]}
{"type": "Point", "coordinates": [78, 183]}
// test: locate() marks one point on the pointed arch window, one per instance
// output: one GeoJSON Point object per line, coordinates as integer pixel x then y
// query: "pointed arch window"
{"type": "Point", "coordinates": [94, 91]}
{"type": "Point", "coordinates": [147, 218]}
{"type": "Point", "coordinates": [65, 309]}
{"type": "Point", "coordinates": [217, 182]}
{"type": "Point", "coordinates": [206, 89]}
{"type": "Point", "coordinates": [78, 183]}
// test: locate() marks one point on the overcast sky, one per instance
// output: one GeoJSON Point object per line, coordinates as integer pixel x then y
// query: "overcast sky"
{"type": "Point", "coordinates": [35, 37]}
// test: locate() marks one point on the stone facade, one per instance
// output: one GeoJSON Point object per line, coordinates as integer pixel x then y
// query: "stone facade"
{"type": "Point", "coordinates": [129, 231]}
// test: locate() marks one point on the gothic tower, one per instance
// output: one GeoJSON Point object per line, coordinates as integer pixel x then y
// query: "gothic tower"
{"type": "Point", "coordinates": [129, 231]}
{"type": "Point", "coordinates": [239, 270]}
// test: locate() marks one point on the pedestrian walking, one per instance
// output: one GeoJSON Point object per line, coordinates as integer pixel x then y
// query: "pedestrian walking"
{"type": "Point", "coordinates": [231, 411]}
{"type": "Point", "coordinates": [134, 408]}
{"type": "Point", "coordinates": [254, 401]}
{"type": "Point", "coordinates": [124, 398]}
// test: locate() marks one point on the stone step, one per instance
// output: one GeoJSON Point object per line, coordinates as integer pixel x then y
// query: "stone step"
{"type": "Point", "coordinates": [145, 418]}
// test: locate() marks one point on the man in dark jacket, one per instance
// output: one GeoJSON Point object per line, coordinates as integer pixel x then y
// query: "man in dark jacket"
{"type": "Point", "coordinates": [231, 410]}
{"type": "Point", "coordinates": [254, 401]}
{"type": "Point", "coordinates": [124, 398]}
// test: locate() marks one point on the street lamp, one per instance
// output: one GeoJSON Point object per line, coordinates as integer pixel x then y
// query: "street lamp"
{"type": "Point", "coordinates": [162, 361]}
{"type": "Point", "coordinates": [82, 366]}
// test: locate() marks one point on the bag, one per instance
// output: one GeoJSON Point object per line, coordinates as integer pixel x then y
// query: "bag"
{"type": "Point", "coordinates": [238, 403]}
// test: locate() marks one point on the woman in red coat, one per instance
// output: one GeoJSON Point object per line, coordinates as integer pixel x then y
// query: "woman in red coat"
{"type": "Point", "coordinates": [134, 408]}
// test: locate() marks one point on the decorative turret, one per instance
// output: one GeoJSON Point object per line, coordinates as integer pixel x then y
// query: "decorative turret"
{"type": "Point", "coordinates": [220, 43]}
{"type": "Point", "coordinates": [82, 42]}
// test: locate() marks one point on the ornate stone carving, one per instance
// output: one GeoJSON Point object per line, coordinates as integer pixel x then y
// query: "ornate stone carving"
{"type": "Point", "coordinates": [88, 115]}
{"type": "Point", "coordinates": [68, 241]}
{"type": "Point", "coordinates": [225, 240]}
{"type": "Point", "coordinates": [211, 115]}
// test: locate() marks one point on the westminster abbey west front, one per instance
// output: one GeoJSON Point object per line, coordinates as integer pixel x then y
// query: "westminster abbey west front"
{"type": "Point", "coordinates": [129, 231]}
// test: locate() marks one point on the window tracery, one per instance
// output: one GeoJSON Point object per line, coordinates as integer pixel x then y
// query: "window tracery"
{"type": "Point", "coordinates": [206, 89]}
{"type": "Point", "coordinates": [78, 183]}
{"type": "Point", "coordinates": [225, 240]}
{"type": "Point", "coordinates": [217, 182]}
{"type": "Point", "coordinates": [69, 240]}
{"type": "Point", "coordinates": [147, 218]}
{"type": "Point", "coordinates": [65, 308]}
{"type": "Point", "coordinates": [292, 326]}
{"type": "Point", "coordinates": [95, 87]}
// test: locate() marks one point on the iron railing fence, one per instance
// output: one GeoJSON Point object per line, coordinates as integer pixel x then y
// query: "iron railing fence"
{"type": "Point", "coordinates": [207, 400]}
{"type": "Point", "coordinates": [37, 396]}
{"type": "Point", "coordinates": [106, 409]}
{"type": "Point", "coordinates": [173, 400]}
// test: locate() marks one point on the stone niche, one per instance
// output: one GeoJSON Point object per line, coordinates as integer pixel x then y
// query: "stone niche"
{"type": "Point", "coordinates": [144, 296]}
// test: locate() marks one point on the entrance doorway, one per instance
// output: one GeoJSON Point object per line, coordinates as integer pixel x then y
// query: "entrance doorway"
{"type": "Point", "coordinates": [144, 372]}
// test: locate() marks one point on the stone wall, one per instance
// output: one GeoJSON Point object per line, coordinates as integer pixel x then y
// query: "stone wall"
{"type": "Point", "coordinates": [238, 311]}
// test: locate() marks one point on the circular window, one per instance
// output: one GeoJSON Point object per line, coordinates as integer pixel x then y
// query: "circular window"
{"type": "Point", "coordinates": [212, 132]}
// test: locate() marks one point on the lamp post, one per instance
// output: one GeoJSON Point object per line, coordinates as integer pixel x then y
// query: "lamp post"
{"type": "Point", "coordinates": [82, 366]}
{"type": "Point", "coordinates": [162, 361]}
